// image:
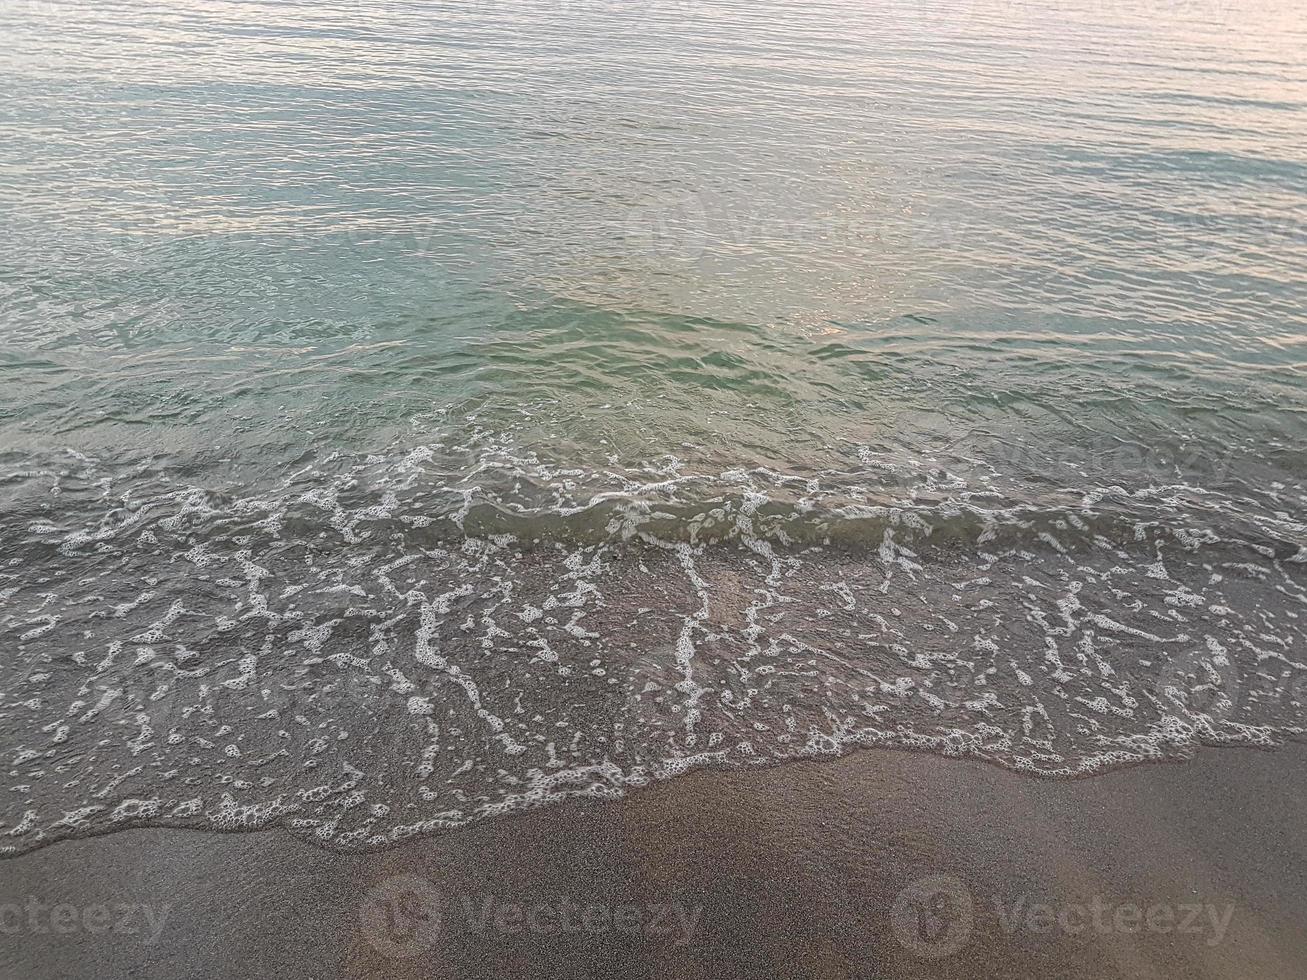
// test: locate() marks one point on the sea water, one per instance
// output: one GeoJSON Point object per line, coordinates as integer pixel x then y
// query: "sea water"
{"type": "Point", "coordinates": [413, 411]}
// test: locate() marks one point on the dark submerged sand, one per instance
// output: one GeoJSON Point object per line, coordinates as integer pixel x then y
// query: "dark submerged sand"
{"type": "Point", "coordinates": [791, 871]}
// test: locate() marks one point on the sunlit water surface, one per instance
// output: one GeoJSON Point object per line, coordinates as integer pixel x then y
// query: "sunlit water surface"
{"type": "Point", "coordinates": [414, 411]}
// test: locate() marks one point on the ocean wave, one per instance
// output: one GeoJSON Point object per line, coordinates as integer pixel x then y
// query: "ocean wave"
{"type": "Point", "coordinates": [395, 643]}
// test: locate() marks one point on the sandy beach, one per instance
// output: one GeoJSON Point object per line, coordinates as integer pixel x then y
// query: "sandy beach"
{"type": "Point", "coordinates": [593, 488]}
{"type": "Point", "coordinates": [878, 864]}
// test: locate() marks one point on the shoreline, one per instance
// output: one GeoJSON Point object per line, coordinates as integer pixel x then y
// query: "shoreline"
{"type": "Point", "coordinates": [709, 766]}
{"type": "Point", "coordinates": [880, 862]}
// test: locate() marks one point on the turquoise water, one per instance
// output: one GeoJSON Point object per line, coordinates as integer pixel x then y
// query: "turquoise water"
{"type": "Point", "coordinates": [411, 411]}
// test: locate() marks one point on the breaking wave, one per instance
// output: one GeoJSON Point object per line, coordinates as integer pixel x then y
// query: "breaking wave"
{"type": "Point", "coordinates": [384, 645]}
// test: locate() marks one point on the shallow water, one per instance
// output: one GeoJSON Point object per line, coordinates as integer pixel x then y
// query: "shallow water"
{"type": "Point", "coordinates": [411, 411]}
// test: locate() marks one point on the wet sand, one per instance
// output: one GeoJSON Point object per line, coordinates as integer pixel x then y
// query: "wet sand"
{"type": "Point", "coordinates": [880, 864]}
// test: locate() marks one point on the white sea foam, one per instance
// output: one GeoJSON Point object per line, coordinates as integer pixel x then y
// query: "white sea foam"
{"type": "Point", "coordinates": [396, 646]}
